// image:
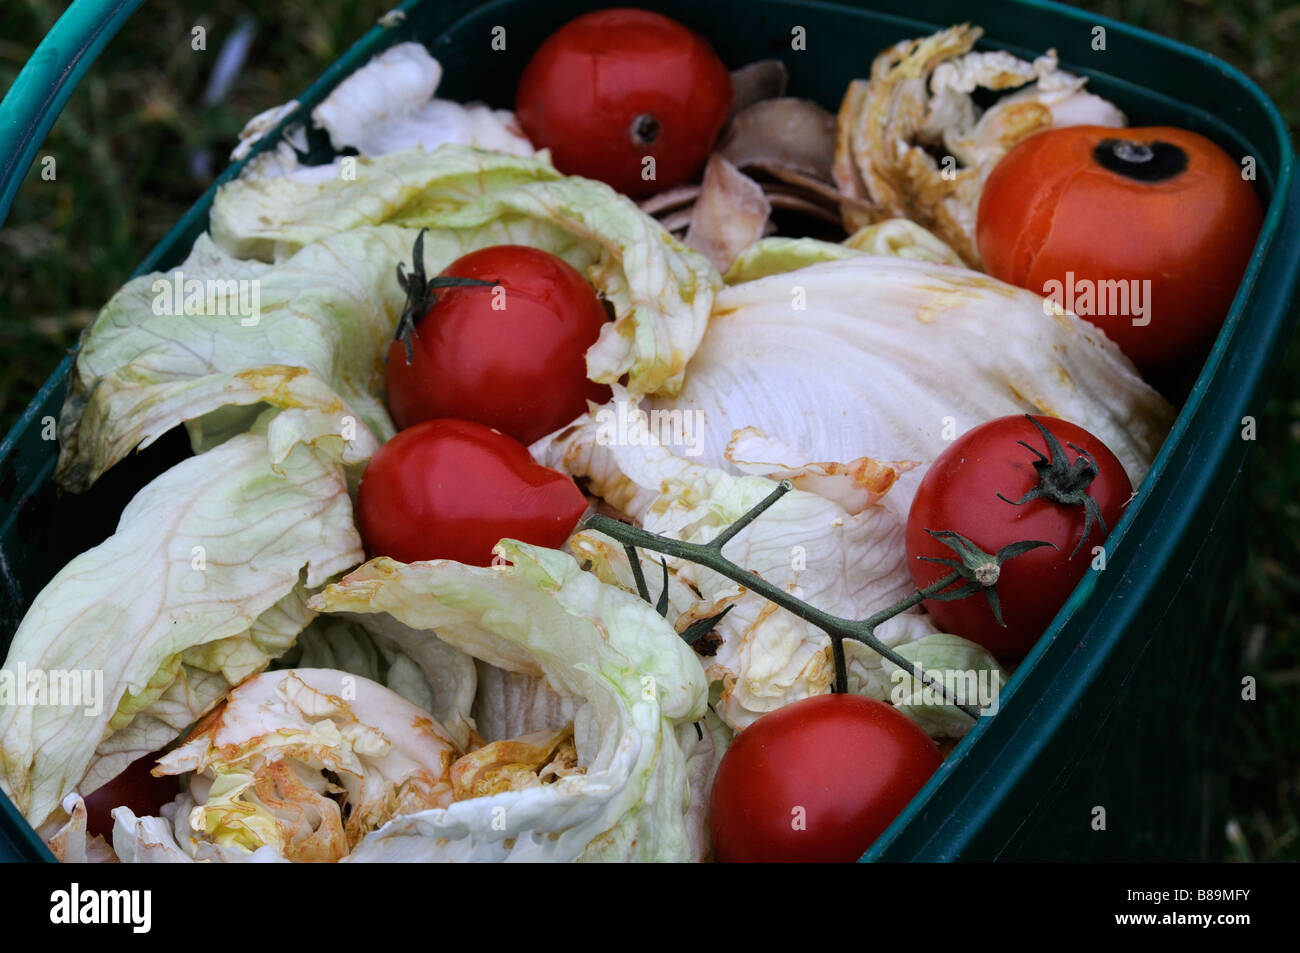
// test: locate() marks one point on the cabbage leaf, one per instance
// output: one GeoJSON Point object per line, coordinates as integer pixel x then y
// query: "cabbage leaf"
{"type": "Point", "coordinates": [201, 585]}
{"type": "Point", "coordinates": [637, 689]}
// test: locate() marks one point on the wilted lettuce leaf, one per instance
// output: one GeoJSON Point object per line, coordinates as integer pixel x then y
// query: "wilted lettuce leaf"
{"type": "Point", "coordinates": [388, 105]}
{"type": "Point", "coordinates": [661, 290]}
{"type": "Point", "coordinates": [203, 574]}
{"type": "Point", "coordinates": [900, 237]}
{"type": "Point", "coordinates": [324, 321]}
{"type": "Point", "coordinates": [418, 665]}
{"type": "Point", "coordinates": [308, 761]}
{"type": "Point", "coordinates": [885, 358]}
{"type": "Point", "coordinates": [637, 685]}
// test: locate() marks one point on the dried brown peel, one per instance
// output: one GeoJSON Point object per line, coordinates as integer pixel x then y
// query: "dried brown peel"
{"type": "Point", "coordinates": [670, 199]}
{"type": "Point", "coordinates": [810, 188]}
{"type": "Point", "coordinates": [789, 133]}
{"type": "Point", "coordinates": [757, 81]}
{"type": "Point", "coordinates": [730, 214]}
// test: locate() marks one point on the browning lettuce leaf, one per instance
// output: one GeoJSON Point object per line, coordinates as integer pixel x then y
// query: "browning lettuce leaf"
{"type": "Point", "coordinates": [638, 688]}
{"type": "Point", "coordinates": [921, 353]}
{"type": "Point", "coordinates": [202, 584]}
{"type": "Point", "coordinates": [308, 761]}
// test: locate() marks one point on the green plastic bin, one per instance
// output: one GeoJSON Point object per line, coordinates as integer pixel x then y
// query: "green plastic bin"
{"type": "Point", "coordinates": [1123, 704]}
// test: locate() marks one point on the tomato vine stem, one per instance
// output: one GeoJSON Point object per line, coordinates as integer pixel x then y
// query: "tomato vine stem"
{"type": "Point", "coordinates": [837, 628]}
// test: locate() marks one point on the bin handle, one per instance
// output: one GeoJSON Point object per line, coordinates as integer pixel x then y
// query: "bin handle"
{"type": "Point", "coordinates": [45, 83]}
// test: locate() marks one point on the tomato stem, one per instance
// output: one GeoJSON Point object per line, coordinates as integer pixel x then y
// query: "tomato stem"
{"type": "Point", "coordinates": [638, 574]}
{"type": "Point", "coordinates": [838, 629]}
{"type": "Point", "coordinates": [1063, 482]}
{"type": "Point", "coordinates": [702, 627]}
{"type": "Point", "coordinates": [421, 292]}
{"type": "Point", "coordinates": [979, 569]}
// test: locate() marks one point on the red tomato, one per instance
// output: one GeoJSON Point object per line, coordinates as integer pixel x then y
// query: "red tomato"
{"type": "Point", "coordinates": [817, 781]}
{"type": "Point", "coordinates": [451, 489]}
{"type": "Point", "coordinates": [611, 88]}
{"type": "Point", "coordinates": [512, 357]}
{"type": "Point", "coordinates": [960, 492]}
{"type": "Point", "coordinates": [1071, 213]}
{"type": "Point", "coordinates": [135, 788]}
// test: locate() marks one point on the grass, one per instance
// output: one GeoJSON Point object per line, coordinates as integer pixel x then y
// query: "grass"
{"type": "Point", "coordinates": [129, 151]}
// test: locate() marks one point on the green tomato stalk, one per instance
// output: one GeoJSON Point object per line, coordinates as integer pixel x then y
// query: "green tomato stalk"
{"type": "Point", "coordinates": [978, 570]}
{"type": "Point", "coordinates": [421, 292]}
{"type": "Point", "coordinates": [1063, 482]}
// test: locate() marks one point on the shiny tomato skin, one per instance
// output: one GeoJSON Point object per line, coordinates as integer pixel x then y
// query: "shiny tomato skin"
{"type": "Point", "coordinates": [960, 492]}
{"type": "Point", "coordinates": [817, 781]}
{"type": "Point", "coordinates": [511, 357]}
{"type": "Point", "coordinates": [1049, 209]}
{"type": "Point", "coordinates": [135, 788]}
{"type": "Point", "coordinates": [584, 89]}
{"type": "Point", "coordinates": [452, 489]}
